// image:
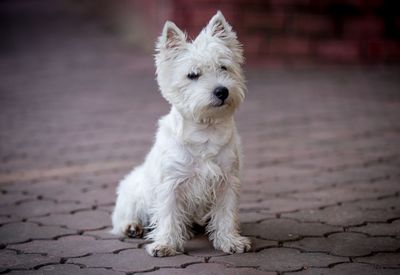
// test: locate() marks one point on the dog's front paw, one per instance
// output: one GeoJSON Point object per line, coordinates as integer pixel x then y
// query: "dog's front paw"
{"type": "Point", "coordinates": [161, 250]}
{"type": "Point", "coordinates": [233, 244]}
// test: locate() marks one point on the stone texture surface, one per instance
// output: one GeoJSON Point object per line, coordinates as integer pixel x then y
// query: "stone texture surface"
{"type": "Point", "coordinates": [78, 110]}
{"type": "Point", "coordinates": [347, 244]}
{"type": "Point", "coordinates": [72, 246]}
{"type": "Point", "coordinates": [348, 269]}
{"type": "Point", "coordinates": [386, 260]}
{"type": "Point", "coordinates": [209, 269]}
{"type": "Point", "coordinates": [133, 259]}
{"type": "Point", "coordinates": [280, 259]}
{"type": "Point", "coordinates": [286, 229]}
{"type": "Point", "coordinates": [66, 269]}
{"type": "Point", "coordinates": [343, 215]}
{"type": "Point", "coordinates": [380, 229]}
{"type": "Point", "coordinates": [41, 208]}
{"type": "Point", "coordinates": [85, 220]}
{"type": "Point", "coordinates": [10, 260]}
{"type": "Point", "coordinates": [25, 231]}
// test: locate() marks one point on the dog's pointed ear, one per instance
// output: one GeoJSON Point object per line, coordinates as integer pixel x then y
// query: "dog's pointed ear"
{"type": "Point", "coordinates": [171, 38]}
{"type": "Point", "coordinates": [219, 27]}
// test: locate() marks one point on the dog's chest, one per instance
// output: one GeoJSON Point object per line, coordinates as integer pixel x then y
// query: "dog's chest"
{"type": "Point", "coordinates": [205, 173]}
{"type": "Point", "coordinates": [200, 159]}
{"type": "Point", "coordinates": [212, 157]}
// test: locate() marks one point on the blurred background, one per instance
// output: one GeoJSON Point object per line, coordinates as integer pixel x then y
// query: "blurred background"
{"type": "Point", "coordinates": [274, 32]}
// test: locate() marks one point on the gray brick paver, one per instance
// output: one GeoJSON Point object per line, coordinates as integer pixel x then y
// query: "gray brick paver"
{"type": "Point", "coordinates": [379, 229]}
{"type": "Point", "coordinates": [252, 217]}
{"type": "Point", "coordinates": [287, 229]}
{"type": "Point", "coordinates": [283, 204]}
{"type": "Point", "coordinates": [40, 208]}
{"type": "Point", "coordinates": [348, 269]}
{"type": "Point", "coordinates": [209, 269]}
{"type": "Point", "coordinates": [279, 259]}
{"type": "Point", "coordinates": [384, 260]}
{"type": "Point", "coordinates": [10, 260]}
{"type": "Point", "coordinates": [343, 215]}
{"type": "Point", "coordinates": [66, 269]}
{"type": "Point", "coordinates": [346, 244]}
{"type": "Point", "coordinates": [7, 199]}
{"type": "Point", "coordinates": [24, 231]}
{"type": "Point", "coordinates": [134, 260]}
{"type": "Point", "coordinates": [84, 220]}
{"type": "Point", "coordinates": [72, 246]}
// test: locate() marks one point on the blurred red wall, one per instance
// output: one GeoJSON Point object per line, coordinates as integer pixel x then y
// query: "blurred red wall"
{"type": "Point", "coordinates": [294, 32]}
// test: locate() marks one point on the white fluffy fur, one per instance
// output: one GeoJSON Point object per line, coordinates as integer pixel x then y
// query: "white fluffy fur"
{"type": "Point", "coordinates": [192, 173]}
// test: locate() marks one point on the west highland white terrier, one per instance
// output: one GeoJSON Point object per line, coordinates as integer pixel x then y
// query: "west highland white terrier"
{"type": "Point", "coordinates": [192, 173]}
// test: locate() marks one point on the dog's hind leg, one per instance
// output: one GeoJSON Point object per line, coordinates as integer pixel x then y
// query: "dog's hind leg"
{"type": "Point", "coordinates": [129, 217]}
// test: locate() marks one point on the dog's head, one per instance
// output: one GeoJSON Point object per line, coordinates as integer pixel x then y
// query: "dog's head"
{"type": "Point", "coordinates": [202, 79]}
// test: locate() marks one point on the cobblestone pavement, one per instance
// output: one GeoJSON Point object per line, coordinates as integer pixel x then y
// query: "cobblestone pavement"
{"type": "Point", "coordinates": [321, 181]}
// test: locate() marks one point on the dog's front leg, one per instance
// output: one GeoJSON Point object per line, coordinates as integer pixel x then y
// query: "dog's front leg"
{"type": "Point", "coordinates": [224, 223]}
{"type": "Point", "coordinates": [170, 223]}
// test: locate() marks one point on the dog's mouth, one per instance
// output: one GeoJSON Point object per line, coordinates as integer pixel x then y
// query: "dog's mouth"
{"type": "Point", "coordinates": [220, 103]}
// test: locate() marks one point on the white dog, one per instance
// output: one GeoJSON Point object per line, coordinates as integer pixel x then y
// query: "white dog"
{"type": "Point", "coordinates": [191, 174]}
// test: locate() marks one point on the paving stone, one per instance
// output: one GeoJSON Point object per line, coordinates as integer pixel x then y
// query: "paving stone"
{"type": "Point", "coordinates": [103, 234]}
{"type": "Point", "coordinates": [10, 260]}
{"type": "Point", "coordinates": [379, 229]}
{"type": "Point", "coordinates": [13, 198]}
{"type": "Point", "coordinates": [58, 190]}
{"type": "Point", "coordinates": [278, 186]}
{"type": "Point", "coordinates": [61, 190]}
{"type": "Point", "coordinates": [342, 194]}
{"type": "Point", "coordinates": [279, 205]}
{"type": "Point", "coordinates": [100, 196]}
{"type": "Point", "coordinates": [40, 208]}
{"type": "Point", "coordinates": [327, 162]}
{"type": "Point", "coordinates": [279, 259]}
{"type": "Point", "coordinates": [209, 269]}
{"type": "Point", "coordinates": [344, 215]}
{"type": "Point", "coordinates": [32, 188]}
{"type": "Point", "coordinates": [107, 208]}
{"type": "Point", "coordinates": [136, 242]}
{"type": "Point", "coordinates": [346, 244]}
{"type": "Point", "coordinates": [85, 220]}
{"type": "Point", "coordinates": [250, 196]}
{"type": "Point", "coordinates": [66, 269]}
{"type": "Point", "coordinates": [201, 246]}
{"type": "Point", "coordinates": [277, 172]}
{"type": "Point", "coordinates": [341, 177]}
{"type": "Point", "coordinates": [348, 269]}
{"type": "Point", "coordinates": [389, 204]}
{"type": "Point", "coordinates": [24, 231]}
{"type": "Point", "coordinates": [387, 260]}
{"type": "Point", "coordinates": [252, 217]}
{"type": "Point", "coordinates": [259, 244]}
{"type": "Point", "coordinates": [141, 261]}
{"type": "Point", "coordinates": [8, 219]}
{"type": "Point", "coordinates": [286, 229]}
{"type": "Point", "coordinates": [72, 246]}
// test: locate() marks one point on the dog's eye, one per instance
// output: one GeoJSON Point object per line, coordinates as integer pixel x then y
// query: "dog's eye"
{"type": "Point", "coordinates": [193, 76]}
{"type": "Point", "coordinates": [224, 68]}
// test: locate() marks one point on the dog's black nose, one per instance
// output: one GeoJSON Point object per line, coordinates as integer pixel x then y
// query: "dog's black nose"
{"type": "Point", "coordinates": [221, 92]}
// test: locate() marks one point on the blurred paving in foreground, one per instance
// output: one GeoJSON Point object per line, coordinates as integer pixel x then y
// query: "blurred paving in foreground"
{"type": "Point", "coordinates": [78, 110]}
